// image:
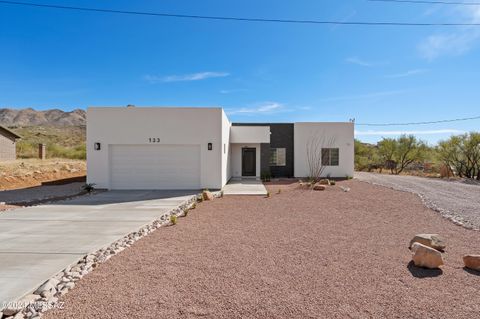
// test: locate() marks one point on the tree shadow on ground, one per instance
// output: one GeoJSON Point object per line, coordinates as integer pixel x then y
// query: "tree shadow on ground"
{"type": "Point", "coordinates": [472, 271]}
{"type": "Point", "coordinates": [419, 272]}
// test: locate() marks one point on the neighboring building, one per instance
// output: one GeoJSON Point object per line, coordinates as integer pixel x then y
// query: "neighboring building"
{"type": "Point", "coordinates": [194, 148]}
{"type": "Point", "coordinates": [8, 141]}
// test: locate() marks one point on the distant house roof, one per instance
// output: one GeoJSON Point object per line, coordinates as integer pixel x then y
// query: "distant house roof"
{"type": "Point", "coordinates": [5, 131]}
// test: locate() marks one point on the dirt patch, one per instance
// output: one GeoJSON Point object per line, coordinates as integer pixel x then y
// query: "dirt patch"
{"type": "Point", "coordinates": [33, 172]}
{"type": "Point", "coordinates": [297, 254]}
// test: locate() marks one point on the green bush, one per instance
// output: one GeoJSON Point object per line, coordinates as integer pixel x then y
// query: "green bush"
{"type": "Point", "coordinates": [26, 149]}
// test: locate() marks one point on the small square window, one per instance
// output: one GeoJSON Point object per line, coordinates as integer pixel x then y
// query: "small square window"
{"type": "Point", "coordinates": [330, 156]}
{"type": "Point", "coordinates": [278, 157]}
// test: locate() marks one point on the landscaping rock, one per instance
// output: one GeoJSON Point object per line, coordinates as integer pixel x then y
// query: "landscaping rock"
{"type": "Point", "coordinates": [431, 240]}
{"type": "Point", "coordinates": [318, 187]}
{"type": "Point", "coordinates": [47, 286]}
{"type": "Point", "coordinates": [324, 182]}
{"type": "Point", "coordinates": [472, 262]}
{"type": "Point", "coordinates": [207, 195]}
{"type": "Point", "coordinates": [426, 257]}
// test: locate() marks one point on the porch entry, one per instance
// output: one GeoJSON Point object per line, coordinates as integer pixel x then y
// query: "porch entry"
{"type": "Point", "coordinates": [249, 159]}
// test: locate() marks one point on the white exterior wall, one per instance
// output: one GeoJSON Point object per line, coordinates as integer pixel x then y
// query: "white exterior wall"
{"type": "Point", "coordinates": [174, 126]}
{"type": "Point", "coordinates": [250, 134]}
{"type": "Point", "coordinates": [226, 151]}
{"type": "Point", "coordinates": [342, 135]}
{"type": "Point", "coordinates": [236, 159]}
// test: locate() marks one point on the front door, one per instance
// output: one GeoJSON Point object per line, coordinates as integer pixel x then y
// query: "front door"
{"type": "Point", "coordinates": [249, 161]}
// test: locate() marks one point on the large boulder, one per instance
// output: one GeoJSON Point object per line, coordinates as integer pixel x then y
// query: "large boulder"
{"type": "Point", "coordinates": [319, 187]}
{"type": "Point", "coordinates": [324, 182]}
{"type": "Point", "coordinates": [434, 241]}
{"type": "Point", "coordinates": [426, 257]}
{"type": "Point", "coordinates": [472, 262]}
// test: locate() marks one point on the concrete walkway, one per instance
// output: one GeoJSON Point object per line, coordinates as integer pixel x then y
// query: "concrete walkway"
{"type": "Point", "coordinates": [38, 242]}
{"type": "Point", "coordinates": [244, 187]}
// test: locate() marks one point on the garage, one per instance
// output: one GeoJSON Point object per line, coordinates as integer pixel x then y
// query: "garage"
{"type": "Point", "coordinates": [154, 166]}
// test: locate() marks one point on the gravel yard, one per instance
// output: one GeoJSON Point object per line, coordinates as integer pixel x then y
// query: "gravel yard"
{"type": "Point", "coordinates": [456, 200]}
{"type": "Point", "coordinates": [297, 254]}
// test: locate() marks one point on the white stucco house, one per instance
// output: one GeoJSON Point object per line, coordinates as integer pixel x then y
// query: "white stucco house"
{"type": "Point", "coordinates": [196, 148]}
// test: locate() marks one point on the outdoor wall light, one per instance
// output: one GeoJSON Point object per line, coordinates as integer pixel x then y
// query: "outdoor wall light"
{"type": "Point", "coordinates": [210, 146]}
{"type": "Point", "coordinates": [97, 146]}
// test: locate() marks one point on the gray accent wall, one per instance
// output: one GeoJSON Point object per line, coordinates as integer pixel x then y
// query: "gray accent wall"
{"type": "Point", "coordinates": [281, 137]}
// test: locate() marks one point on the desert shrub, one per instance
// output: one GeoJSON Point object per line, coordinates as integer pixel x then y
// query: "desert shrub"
{"type": "Point", "coordinates": [332, 182]}
{"type": "Point", "coordinates": [266, 177]}
{"type": "Point", "coordinates": [173, 219]}
{"type": "Point", "coordinates": [268, 194]}
{"type": "Point", "coordinates": [185, 212]}
{"type": "Point", "coordinates": [57, 151]}
{"type": "Point", "coordinates": [26, 149]}
{"type": "Point", "coordinates": [279, 191]}
{"type": "Point", "coordinates": [90, 187]}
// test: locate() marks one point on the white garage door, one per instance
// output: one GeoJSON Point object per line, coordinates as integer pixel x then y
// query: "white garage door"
{"type": "Point", "coordinates": [154, 166]}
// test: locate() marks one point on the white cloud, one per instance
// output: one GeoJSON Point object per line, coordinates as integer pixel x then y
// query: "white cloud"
{"type": "Point", "coordinates": [358, 61]}
{"type": "Point", "coordinates": [414, 132]}
{"type": "Point", "coordinates": [407, 73]}
{"type": "Point", "coordinates": [266, 107]}
{"type": "Point", "coordinates": [232, 91]}
{"type": "Point", "coordinates": [456, 42]}
{"type": "Point", "coordinates": [185, 77]}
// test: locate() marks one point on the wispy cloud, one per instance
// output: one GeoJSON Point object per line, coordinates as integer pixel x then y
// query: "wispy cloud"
{"type": "Point", "coordinates": [185, 77]}
{"type": "Point", "coordinates": [231, 91]}
{"type": "Point", "coordinates": [413, 132]}
{"type": "Point", "coordinates": [357, 61]}
{"type": "Point", "coordinates": [407, 73]}
{"type": "Point", "coordinates": [363, 96]}
{"type": "Point", "coordinates": [265, 107]}
{"type": "Point", "coordinates": [453, 43]}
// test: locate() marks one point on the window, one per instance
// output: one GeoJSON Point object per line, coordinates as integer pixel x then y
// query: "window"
{"type": "Point", "coordinates": [278, 157]}
{"type": "Point", "coordinates": [330, 156]}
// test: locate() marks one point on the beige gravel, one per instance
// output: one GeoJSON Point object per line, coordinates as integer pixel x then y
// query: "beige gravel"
{"type": "Point", "coordinates": [297, 254]}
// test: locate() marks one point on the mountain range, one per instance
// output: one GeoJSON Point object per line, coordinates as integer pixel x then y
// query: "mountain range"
{"type": "Point", "coordinates": [30, 117]}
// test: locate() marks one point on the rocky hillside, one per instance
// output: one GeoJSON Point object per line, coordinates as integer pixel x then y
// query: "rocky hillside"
{"type": "Point", "coordinates": [30, 117]}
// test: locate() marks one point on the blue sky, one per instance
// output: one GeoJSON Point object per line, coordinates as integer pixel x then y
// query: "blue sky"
{"type": "Point", "coordinates": [257, 71]}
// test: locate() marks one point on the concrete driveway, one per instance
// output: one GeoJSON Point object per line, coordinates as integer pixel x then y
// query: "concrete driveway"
{"type": "Point", "coordinates": [38, 242]}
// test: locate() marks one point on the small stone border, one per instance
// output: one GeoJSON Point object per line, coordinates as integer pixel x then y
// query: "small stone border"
{"type": "Point", "coordinates": [457, 220]}
{"type": "Point", "coordinates": [45, 297]}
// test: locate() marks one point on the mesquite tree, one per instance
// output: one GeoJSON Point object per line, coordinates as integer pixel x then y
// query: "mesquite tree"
{"type": "Point", "coordinates": [462, 153]}
{"type": "Point", "coordinates": [401, 152]}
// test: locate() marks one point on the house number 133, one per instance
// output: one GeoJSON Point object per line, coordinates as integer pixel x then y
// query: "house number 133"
{"type": "Point", "coordinates": [154, 139]}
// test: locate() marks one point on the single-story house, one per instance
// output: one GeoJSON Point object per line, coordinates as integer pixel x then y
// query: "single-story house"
{"type": "Point", "coordinates": [8, 144]}
{"type": "Point", "coordinates": [195, 148]}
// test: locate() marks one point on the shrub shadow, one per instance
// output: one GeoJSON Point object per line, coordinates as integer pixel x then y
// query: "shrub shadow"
{"type": "Point", "coordinates": [419, 272]}
{"type": "Point", "coordinates": [471, 271]}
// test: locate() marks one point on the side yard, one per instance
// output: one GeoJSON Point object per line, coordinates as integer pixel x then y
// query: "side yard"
{"type": "Point", "coordinates": [456, 200]}
{"type": "Point", "coordinates": [24, 173]}
{"type": "Point", "coordinates": [296, 254]}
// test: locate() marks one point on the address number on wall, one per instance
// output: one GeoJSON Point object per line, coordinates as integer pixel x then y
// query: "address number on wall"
{"type": "Point", "coordinates": [154, 139]}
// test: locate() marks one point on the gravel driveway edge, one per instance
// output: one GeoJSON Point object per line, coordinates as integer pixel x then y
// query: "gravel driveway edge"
{"type": "Point", "coordinates": [429, 204]}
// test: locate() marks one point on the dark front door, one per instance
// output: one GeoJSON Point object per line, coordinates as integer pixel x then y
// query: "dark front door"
{"type": "Point", "coordinates": [249, 159]}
